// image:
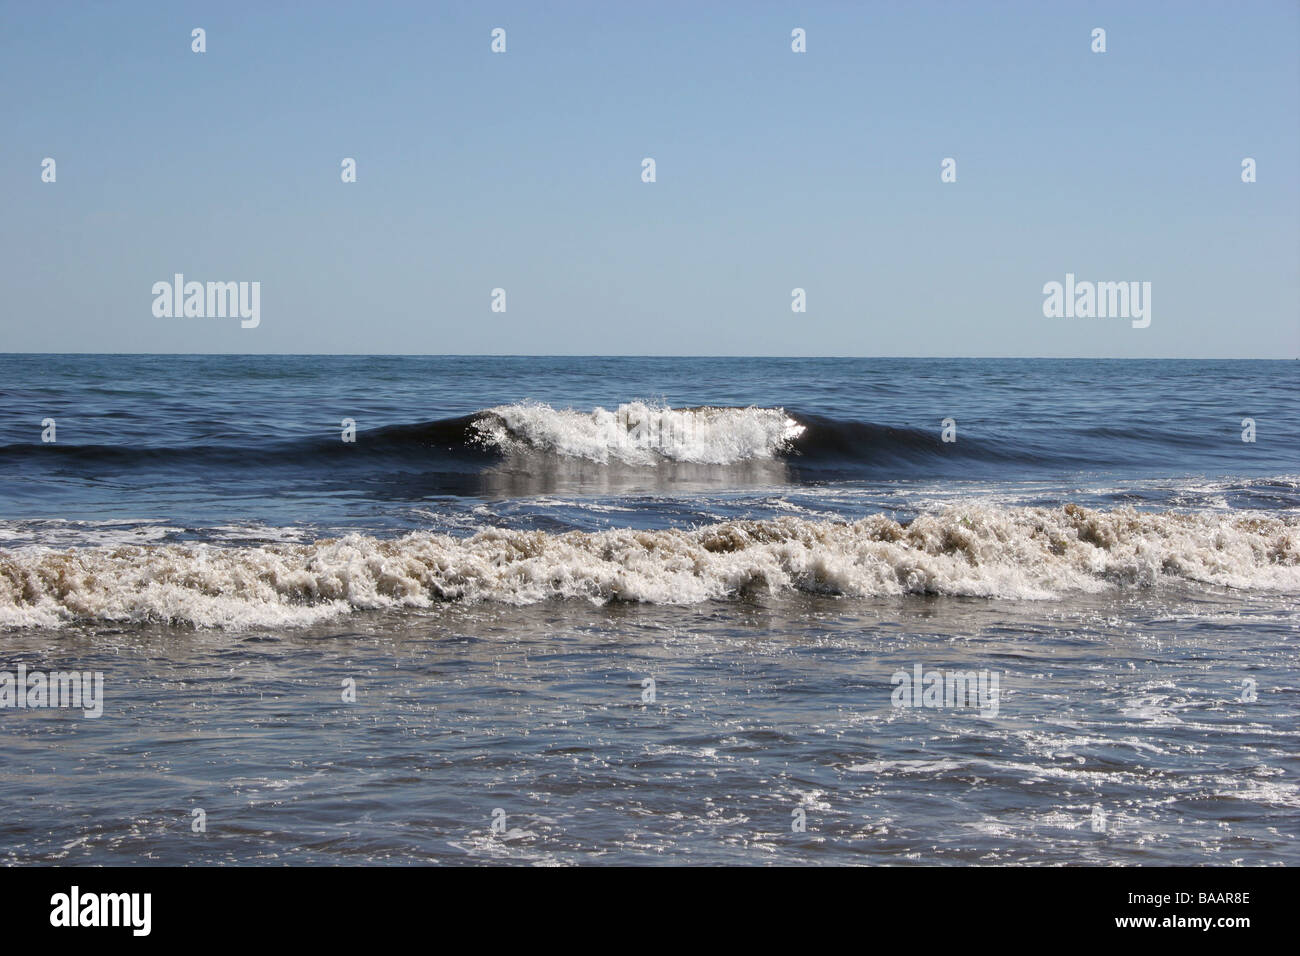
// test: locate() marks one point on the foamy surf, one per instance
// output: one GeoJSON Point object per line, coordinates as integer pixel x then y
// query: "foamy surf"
{"type": "Point", "coordinates": [638, 433]}
{"type": "Point", "coordinates": [979, 551]}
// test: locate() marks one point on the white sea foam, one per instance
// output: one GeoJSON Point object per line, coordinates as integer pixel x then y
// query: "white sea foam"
{"type": "Point", "coordinates": [638, 433]}
{"type": "Point", "coordinates": [60, 532]}
{"type": "Point", "coordinates": [975, 550]}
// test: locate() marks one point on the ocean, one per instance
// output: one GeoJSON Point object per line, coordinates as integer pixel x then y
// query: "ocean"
{"type": "Point", "coordinates": [559, 610]}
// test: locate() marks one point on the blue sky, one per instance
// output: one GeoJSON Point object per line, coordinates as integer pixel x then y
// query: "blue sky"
{"type": "Point", "coordinates": [775, 170]}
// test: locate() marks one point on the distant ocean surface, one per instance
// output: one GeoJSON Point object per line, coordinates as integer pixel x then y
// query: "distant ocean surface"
{"type": "Point", "coordinates": [651, 609]}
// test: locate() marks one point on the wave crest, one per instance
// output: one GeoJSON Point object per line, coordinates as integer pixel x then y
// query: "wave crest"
{"type": "Point", "coordinates": [638, 433]}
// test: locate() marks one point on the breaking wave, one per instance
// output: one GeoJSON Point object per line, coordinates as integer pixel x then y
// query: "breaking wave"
{"type": "Point", "coordinates": [980, 551]}
{"type": "Point", "coordinates": [637, 433]}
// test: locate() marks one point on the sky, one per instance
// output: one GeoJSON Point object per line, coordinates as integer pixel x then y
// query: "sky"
{"type": "Point", "coordinates": [775, 170]}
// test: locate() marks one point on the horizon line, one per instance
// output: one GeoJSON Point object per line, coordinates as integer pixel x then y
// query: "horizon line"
{"type": "Point", "coordinates": [633, 355]}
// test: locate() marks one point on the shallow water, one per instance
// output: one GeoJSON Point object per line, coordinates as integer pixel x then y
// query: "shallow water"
{"type": "Point", "coordinates": [1131, 704]}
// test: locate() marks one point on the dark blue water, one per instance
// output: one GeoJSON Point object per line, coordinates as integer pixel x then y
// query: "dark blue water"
{"type": "Point", "coordinates": [651, 610]}
{"type": "Point", "coordinates": [197, 442]}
